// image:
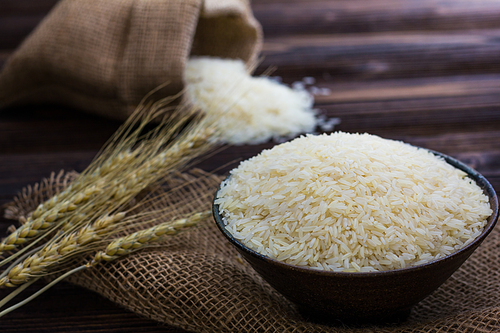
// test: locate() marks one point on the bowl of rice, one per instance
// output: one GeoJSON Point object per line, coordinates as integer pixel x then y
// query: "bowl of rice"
{"type": "Point", "coordinates": [354, 227]}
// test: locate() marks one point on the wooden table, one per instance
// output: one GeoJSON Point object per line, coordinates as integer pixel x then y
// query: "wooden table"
{"type": "Point", "coordinates": [426, 72]}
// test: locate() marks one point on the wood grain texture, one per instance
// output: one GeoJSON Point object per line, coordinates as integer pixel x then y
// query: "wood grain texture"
{"type": "Point", "coordinates": [18, 18]}
{"type": "Point", "coordinates": [10, 8]}
{"type": "Point", "coordinates": [384, 55]}
{"type": "Point", "coordinates": [426, 72]}
{"type": "Point", "coordinates": [357, 16]}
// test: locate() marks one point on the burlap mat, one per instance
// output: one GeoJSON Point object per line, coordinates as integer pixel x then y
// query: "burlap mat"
{"type": "Point", "coordinates": [104, 56]}
{"type": "Point", "coordinates": [196, 281]}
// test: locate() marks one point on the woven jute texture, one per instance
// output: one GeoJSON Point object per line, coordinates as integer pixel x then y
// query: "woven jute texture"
{"type": "Point", "coordinates": [104, 56]}
{"type": "Point", "coordinates": [197, 282]}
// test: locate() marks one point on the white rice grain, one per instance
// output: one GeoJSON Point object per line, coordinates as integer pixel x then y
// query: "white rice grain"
{"type": "Point", "coordinates": [249, 110]}
{"type": "Point", "coordinates": [351, 202]}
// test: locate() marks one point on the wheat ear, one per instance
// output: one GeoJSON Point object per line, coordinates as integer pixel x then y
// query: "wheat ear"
{"type": "Point", "coordinates": [115, 249]}
{"type": "Point", "coordinates": [52, 253]}
{"type": "Point", "coordinates": [46, 216]}
{"type": "Point", "coordinates": [138, 240]}
{"type": "Point", "coordinates": [140, 160]}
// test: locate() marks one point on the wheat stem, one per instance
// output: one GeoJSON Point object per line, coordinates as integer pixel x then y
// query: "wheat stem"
{"type": "Point", "coordinates": [38, 293]}
{"type": "Point", "coordinates": [16, 292]}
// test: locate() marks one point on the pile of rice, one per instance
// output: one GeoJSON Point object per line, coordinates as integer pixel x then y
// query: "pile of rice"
{"type": "Point", "coordinates": [250, 110]}
{"type": "Point", "coordinates": [351, 202]}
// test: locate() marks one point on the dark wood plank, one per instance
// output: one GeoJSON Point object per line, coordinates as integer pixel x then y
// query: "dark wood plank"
{"type": "Point", "coordinates": [383, 55]}
{"type": "Point", "coordinates": [36, 166]}
{"type": "Point", "coordinates": [421, 106]}
{"type": "Point", "coordinates": [281, 18]}
{"type": "Point", "coordinates": [404, 89]}
{"type": "Point", "coordinates": [25, 7]}
{"type": "Point", "coordinates": [39, 140]}
{"type": "Point", "coordinates": [14, 29]}
{"type": "Point", "coordinates": [52, 129]}
{"type": "Point", "coordinates": [18, 18]}
{"type": "Point", "coordinates": [4, 55]}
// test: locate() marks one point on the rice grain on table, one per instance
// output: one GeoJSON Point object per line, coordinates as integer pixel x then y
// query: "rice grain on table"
{"type": "Point", "coordinates": [351, 202]}
{"type": "Point", "coordinates": [249, 110]}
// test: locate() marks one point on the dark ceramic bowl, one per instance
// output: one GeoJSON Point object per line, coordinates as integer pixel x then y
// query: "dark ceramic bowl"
{"type": "Point", "coordinates": [386, 296]}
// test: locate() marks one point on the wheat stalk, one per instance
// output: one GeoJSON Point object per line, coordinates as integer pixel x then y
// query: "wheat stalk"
{"type": "Point", "coordinates": [61, 207]}
{"type": "Point", "coordinates": [80, 240]}
{"type": "Point", "coordinates": [47, 215]}
{"type": "Point", "coordinates": [117, 248]}
{"type": "Point", "coordinates": [130, 162]}
{"type": "Point", "coordinates": [53, 253]}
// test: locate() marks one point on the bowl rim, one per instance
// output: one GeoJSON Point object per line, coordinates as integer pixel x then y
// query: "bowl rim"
{"type": "Point", "coordinates": [480, 180]}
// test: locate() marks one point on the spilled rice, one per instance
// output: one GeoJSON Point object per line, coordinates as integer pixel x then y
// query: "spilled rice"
{"type": "Point", "coordinates": [250, 110]}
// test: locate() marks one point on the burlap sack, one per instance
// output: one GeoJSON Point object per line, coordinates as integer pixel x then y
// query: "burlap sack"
{"type": "Point", "coordinates": [196, 280]}
{"type": "Point", "coordinates": [104, 56]}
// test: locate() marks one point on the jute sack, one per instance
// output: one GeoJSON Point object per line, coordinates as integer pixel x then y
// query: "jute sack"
{"type": "Point", "coordinates": [197, 282]}
{"type": "Point", "coordinates": [104, 56]}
